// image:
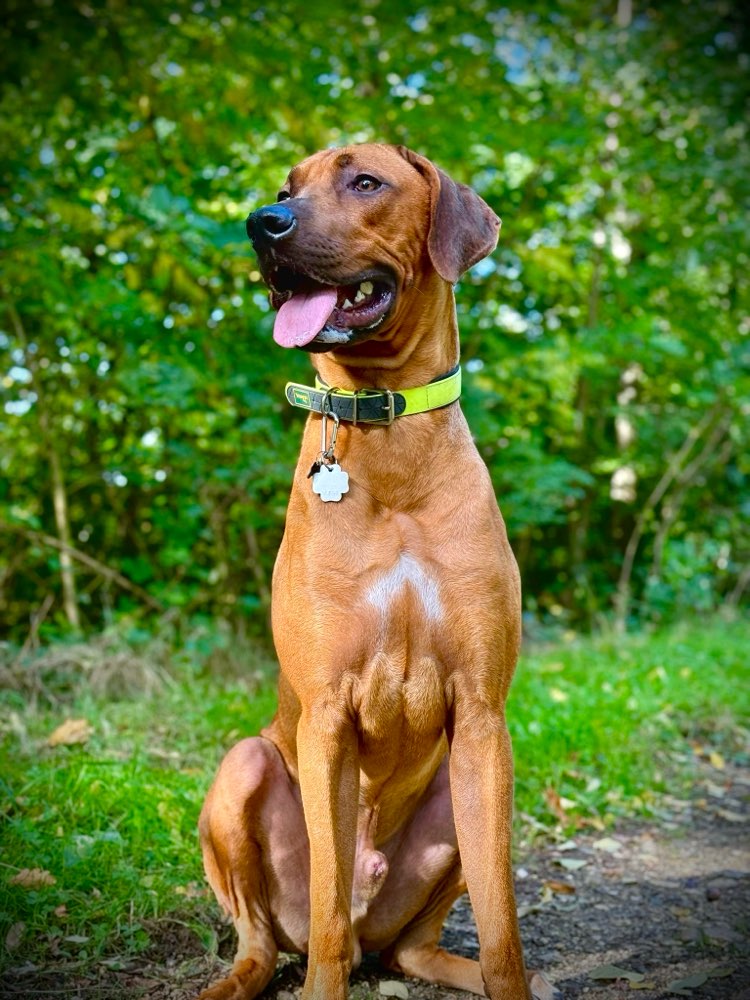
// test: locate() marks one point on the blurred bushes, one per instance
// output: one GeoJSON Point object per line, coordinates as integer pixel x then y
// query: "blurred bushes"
{"type": "Point", "coordinates": [145, 448]}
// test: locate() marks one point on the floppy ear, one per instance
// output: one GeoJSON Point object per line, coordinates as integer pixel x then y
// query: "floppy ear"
{"type": "Point", "coordinates": [463, 227]}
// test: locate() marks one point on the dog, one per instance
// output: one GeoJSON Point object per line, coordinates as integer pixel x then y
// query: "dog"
{"type": "Point", "coordinates": [383, 787]}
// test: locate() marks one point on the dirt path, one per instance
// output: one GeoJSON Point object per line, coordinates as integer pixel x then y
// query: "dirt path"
{"type": "Point", "coordinates": [668, 900]}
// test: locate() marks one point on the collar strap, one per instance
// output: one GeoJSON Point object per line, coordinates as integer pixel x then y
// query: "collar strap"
{"type": "Point", "coordinates": [375, 406]}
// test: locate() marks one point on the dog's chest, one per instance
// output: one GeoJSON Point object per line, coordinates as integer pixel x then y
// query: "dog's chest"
{"type": "Point", "coordinates": [400, 690]}
{"type": "Point", "coordinates": [408, 578]}
{"type": "Point", "coordinates": [399, 698]}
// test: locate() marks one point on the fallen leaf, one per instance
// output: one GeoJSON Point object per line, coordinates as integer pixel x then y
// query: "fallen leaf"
{"type": "Point", "coordinates": [119, 965]}
{"type": "Point", "coordinates": [392, 988]}
{"type": "Point", "coordinates": [557, 805]}
{"type": "Point", "coordinates": [679, 804]}
{"type": "Point", "coordinates": [76, 938]}
{"type": "Point", "coordinates": [720, 972]}
{"type": "Point", "coordinates": [61, 911]}
{"type": "Point", "coordinates": [552, 799]}
{"type": "Point", "coordinates": [730, 816]}
{"type": "Point", "coordinates": [14, 935]}
{"type": "Point", "coordinates": [615, 972]}
{"type": "Point", "coordinates": [564, 888]}
{"type": "Point", "coordinates": [32, 878]}
{"type": "Point", "coordinates": [192, 890]}
{"type": "Point", "coordinates": [717, 760]}
{"type": "Point", "coordinates": [715, 791]}
{"type": "Point", "coordinates": [689, 983]}
{"type": "Point", "coordinates": [596, 823]}
{"type": "Point", "coordinates": [608, 844]}
{"type": "Point", "coordinates": [571, 864]}
{"type": "Point", "coordinates": [71, 731]}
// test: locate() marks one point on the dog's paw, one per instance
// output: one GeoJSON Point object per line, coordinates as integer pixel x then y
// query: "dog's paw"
{"type": "Point", "coordinates": [226, 989]}
{"type": "Point", "coordinates": [247, 979]}
{"type": "Point", "coordinates": [541, 989]}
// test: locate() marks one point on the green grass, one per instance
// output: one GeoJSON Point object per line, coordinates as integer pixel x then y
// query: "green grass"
{"type": "Point", "coordinates": [611, 723]}
{"type": "Point", "coordinates": [608, 724]}
{"type": "Point", "coordinates": [114, 820]}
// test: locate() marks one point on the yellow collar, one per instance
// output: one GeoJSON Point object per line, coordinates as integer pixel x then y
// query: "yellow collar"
{"type": "Point", "coordinates": [375, 406]}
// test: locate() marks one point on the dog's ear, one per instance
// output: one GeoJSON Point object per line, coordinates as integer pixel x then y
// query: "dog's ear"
{"type": "Point", "coordinates": [463, 227]}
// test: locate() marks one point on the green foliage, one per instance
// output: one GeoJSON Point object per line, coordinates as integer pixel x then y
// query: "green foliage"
{"type": "Point", "coordinates": [607, 724]}
{"type": "Point", "coordinates": [139, 380]}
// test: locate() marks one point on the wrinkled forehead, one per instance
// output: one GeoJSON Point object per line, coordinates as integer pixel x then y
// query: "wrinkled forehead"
{"type": "Point", "coordinates": [385, 162]}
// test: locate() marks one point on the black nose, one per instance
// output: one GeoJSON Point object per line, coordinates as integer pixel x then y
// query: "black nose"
{"type": "Point", "coordinates": [271, 223]}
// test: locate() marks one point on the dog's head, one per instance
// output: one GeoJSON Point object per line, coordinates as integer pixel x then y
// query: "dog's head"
{"type": "Point", "coordinates": [352, 231]}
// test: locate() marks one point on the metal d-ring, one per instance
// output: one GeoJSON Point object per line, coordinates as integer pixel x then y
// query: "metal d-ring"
{"type": "Point", "coordinates": [391, 406]}
{"type": "Point", "coordinates": [326, 450]}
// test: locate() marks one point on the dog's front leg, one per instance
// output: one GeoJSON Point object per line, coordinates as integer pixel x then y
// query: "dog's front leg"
{"type": "Point", "coordinates": [481, 775]}
{"type": "Point", "coordinates": [329, 780]}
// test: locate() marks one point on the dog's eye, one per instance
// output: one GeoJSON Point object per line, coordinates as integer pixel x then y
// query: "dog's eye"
{"type": "Point", "coordinates": [364, 182]}
{"type": "Point", "coordinates": [283, 196]}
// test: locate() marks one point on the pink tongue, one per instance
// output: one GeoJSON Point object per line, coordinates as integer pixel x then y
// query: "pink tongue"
{"type": "Point", "coordinates": [303, 317]}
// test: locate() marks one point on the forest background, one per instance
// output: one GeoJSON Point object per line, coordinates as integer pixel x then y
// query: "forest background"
{"type": "Point", "coordinates": [146, 449]}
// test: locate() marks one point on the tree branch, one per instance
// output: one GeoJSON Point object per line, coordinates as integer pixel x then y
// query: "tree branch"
{"type": "Point", "coordinates": [93, 564]}
{"type": "Point", "coordinates": [672, 471]}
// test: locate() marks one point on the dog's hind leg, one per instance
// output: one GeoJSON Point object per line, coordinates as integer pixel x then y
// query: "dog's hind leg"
{"type": "Point", "coordinates": [250, 822]}
{"type": "Point", "coordinates": [254, 962]}
{"type": "Point", "coordinates": [416, 952]}
{"type": "Point", "coordinates": [424, 880]}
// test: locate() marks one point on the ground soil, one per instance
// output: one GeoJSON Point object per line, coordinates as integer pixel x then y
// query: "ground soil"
{"type": "Point", "coordinates": [667, 899]}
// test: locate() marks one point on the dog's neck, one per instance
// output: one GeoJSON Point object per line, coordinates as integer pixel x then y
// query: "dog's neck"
{"type": "Point", "coordinates": [400, 466]}
{"type": "Point", "coordinates": [416, 347]}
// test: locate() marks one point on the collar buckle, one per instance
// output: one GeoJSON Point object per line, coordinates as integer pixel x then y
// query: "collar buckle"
{"type": "Point", "coordinates": [389, 407]}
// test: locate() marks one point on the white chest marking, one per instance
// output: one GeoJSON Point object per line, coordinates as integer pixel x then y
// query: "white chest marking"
{"type": "Point", "coordinates": [406, 571]}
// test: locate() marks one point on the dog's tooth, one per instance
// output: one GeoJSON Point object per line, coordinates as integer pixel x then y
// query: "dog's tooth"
{"type": "Point", "coordinates": [366, 287]}
{"type": "Point", "coordinates": [360, 296]}
{"type": "Point", "coordinates": [347, 304]}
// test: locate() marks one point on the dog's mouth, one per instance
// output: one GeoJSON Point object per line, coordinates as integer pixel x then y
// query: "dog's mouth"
{"type": "Point", "coordinates": [319, 316]}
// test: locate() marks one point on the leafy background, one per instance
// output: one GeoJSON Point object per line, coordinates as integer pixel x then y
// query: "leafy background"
{"type": "Point", "coordinates": [145, 450]}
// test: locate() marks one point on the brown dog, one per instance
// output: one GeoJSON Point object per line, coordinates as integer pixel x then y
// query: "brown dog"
{"type": "Point", "coordinates": [386, 777]}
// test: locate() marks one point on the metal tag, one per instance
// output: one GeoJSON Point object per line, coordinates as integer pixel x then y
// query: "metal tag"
{"type": "Point", "coordinates": [331, 482]}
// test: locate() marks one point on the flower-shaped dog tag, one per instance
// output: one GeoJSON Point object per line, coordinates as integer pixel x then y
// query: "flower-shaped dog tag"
{"type": "Point", "coordinates": [330, 483]}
